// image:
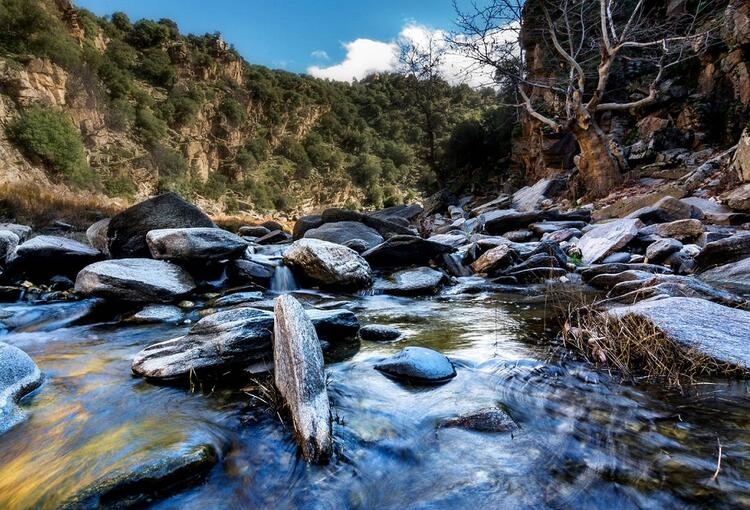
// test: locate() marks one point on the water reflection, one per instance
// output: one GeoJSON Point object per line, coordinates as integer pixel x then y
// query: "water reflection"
{"type": "Point", "coordinates": [583, 441]}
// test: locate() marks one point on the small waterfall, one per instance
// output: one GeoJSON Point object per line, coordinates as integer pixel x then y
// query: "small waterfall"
{"type": "Point", "coordinates": [283, 280]}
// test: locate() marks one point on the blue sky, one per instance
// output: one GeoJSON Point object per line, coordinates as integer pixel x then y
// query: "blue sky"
{"type": "Point", "coordinates": [329, 38]}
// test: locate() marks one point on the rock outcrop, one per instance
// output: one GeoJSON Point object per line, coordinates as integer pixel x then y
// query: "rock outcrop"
{"type": "Point", "coordinates": [328, 264]}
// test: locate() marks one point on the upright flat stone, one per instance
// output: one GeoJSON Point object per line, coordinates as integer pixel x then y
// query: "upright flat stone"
{"type": "Point", "coordinates": [300, 378]}
{"type": "Point", "coordinates": [328, 264]}
{"type": "Point", "coordinates": [19, 375]}
{"type": "Point", "coordinates": [607, 238]}
{"type": "Point", "coordinates": [195, 244]}
{"type": "Point", "coordinates": [97, 235]}
{"type": "Point", "coordinates": [127, 230]}
{"type": "Point", "coordinates": [718, 331]}
{"type": "Point", "coordinates": [138, 280]}
{"type": "Point", "coordinates": [221, 341]}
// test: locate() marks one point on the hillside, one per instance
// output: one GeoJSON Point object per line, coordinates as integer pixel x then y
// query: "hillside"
{"type": "Point", "coordinates": [110, 107]}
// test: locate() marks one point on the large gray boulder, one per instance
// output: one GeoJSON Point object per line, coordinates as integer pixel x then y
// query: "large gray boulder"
{"type": "Point", "coordinates": [530, 198]}
{"type": "Point", "coordinates": [418, 365]}
{"type": "Point", "coordinates": [22, 231]}
{"type": "Point", "coordinates": [717, 331]}
{"type": "Point", "coordinates": [328, 264]}
{"type": "Point", "coordinates": [137, 280]}
{"type": "Point", "coordinates": [385, 228]}
{"type": "Point", "coordinates": [411, 282]}
{"type": "Point", "coordinates": [344, 231]}
{"type": "Point", "coordinates": [224, 340]}
{"type": "Point", "coordinates": [724, 251]}
{"type": "Point", "coordinates": [300, 378]}
{"type": "Point", "coordinates": [400, 251]}
{"type": "Point", "coordinates": [734, 276]}
{"type": "Point", "coordinates": [127, 230]}
{"type": "Point", "coordinates": [19, 375]}
{"type": "Point", "coordinates": [666, 210]}
{"type": "Point", "coordinates": [46, 256]}
{"type": "Point", "coordinates": [607, 238]}
{"type": "Point", "coordinates": [195, 244]}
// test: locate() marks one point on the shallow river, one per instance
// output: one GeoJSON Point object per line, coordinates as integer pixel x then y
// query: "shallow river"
{"type": "Point", "coordinates": [583, 441]}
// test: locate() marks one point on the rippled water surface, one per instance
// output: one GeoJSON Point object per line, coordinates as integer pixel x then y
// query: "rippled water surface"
{"type": "Point", "coordinates": [583, 440]}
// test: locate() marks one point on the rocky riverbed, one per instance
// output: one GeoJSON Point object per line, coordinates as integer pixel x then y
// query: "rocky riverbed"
{"type": "Point", "coordinates": [135, 364]}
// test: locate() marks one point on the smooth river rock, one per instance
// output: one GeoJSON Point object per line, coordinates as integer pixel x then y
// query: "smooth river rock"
{"type": "Point", "coordinates": [127, 230]}
{"type": "Point", "coordinates": [492, 419]}
{"type": "Point", "coordinates": [138, 280]}
{"type": "Point", "coordinates": [411, 282]}
{"type": "Point", "coordinates": [19, 375]}
{"type": "Point", "coordinates": [418, 365]}
{"type": "Point", "coordinates": [195, 244]}
{"type": "Point", "coordinates": [328, 264]}
{"type": "Point", "coordinates": [734, 276]}
{"type": "Point", "coordinates": [47, 256]}
{"type": "Point", "coordinates": [344, 231]}
{"type": "Point", "coordinates": [300, 377]}
{"type": "Point", "coordinates": [225, 340]}
{"type": "Point", "coordinates": [718, 331]}
{"type": "Point", "coordinates": [379, 333]}
{"type": "Point", "coordinates": [603, 239]}
{"type": "Point", "coordinates": [8, 242]}
{"type": "Point", "coordinates": [405, 250]}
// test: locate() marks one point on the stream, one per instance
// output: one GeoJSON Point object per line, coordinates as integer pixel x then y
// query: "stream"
{"type": "Point", "coordinates": [583, 440]}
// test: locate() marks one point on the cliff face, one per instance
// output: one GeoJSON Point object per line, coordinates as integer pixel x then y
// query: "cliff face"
{"type": "Point", "coordinates": [705, 103]}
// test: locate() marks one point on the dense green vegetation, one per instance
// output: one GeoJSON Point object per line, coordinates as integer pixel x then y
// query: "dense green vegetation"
{"type": "Point", "coordinates": [280, 137]}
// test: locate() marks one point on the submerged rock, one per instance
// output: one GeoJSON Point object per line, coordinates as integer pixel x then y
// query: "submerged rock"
{"type": "Point", "coordinates": [418, 365]}
{"type": "Point", "coordinates": [411, 282]}
{"type": "Point", "coordinates": [379, 333]}
{"type": "Point", "coordinates": [195, 244]}
{"type": "Point", "coordinates": [717, 331]}
{"type": "Point", "coordinates": [127, 230]}
{"type": "Point", "coordinates": [225, 340]}
{"type": "Point", "coordinates": [47, 256]}
{"type": "Point", "coordinates": [492, 419]}
{"type": "Point", "coordinates": [300, 378]}
{"type": "Point", "coordinates": [136, 280]}
{"type": "Point", "coordinates": [19, 376]}
{"type": "Point", "coordinates": [328, 264]}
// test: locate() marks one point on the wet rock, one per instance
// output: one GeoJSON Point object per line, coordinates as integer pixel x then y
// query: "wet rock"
{"type": "Point", "coordinates": [680, 229]}
{"type": "Point", "coordinates": [344, 231]}
{"type": "Point", "coordinates": [334, 326]}
{"type": "Point", "coordinates": [607, 238]}
{"type": "Point", "coordinates": [531, 275]}
{"type": "Point", "coordinates": [739, 199]}
{"type": "Point", "coordinates": [492, 419]}
{"type": "Point", "coordinates": [156, 476]}
{"type": "Point", "coordinates": [620, 257]}
{"type": "Point", "coordinates": [399, 251]}
{"type": "Point", "coordinates": [225, 340]}
{"type": "Point", "coordinates": [304, 224]}
{"type": "Point", "coordinates": [127, 230]}
{"type": "Point", "coordinates": [10, 294]}
{"type": "Point", "coordinates": [530, 198]}
{"type": "Point", "coordinates": [252, 269]}
{"type": "Point", "coordinates": [500, 222]}
{"type": "Point", "coordinates": [723, 251]}
{"type": "Point", "coordinates": [385, 228]}
{"type": "Point", "coordinates": [718, 331]}
{"type": "Point", "coordinates": [8, 243]}
{"type": "Point", "coordinates": [19, 376]}
{"type": "Point", "coordinates": [666, 210]}
{"type": "Point", "coordinates": [159, 313]}
{"type": "Point", "coordinates": [418, 365]}
{"type": "Point", "coordinates": [734, 276]}
{"type": "Point", "coordinates": [253, 231]}
{"type": "Point", "coordinates": [379, 333]}
{"type": "Point", "coordinates": [22, 231]}
{"type": "Point", "coordinates": [274, 237]}
{"type": "Point", "coordinates": [237, 298]}
{"type": "Point", "coordinates": [300, 378]}
{"type": "Point", "coordinates": [47, 256]}
{"type": "Point", "coordinates": [195, 244]}
{"type": "Point", "coordinates": [659, 251]}
{"type": "Point", "coordinates": [328, 264]}
{"type": "Point", "coordinates": [495, 259]}
{"type": "Point", "coordinates": [135, 280]}
{"type": "Point", "coordinates": [411, 282]}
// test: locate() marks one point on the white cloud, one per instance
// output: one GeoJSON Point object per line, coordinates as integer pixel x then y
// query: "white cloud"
{"type": "Point", "coordinates": [320, 55]}
{"type": "Point", "coordinates": [367, 56]}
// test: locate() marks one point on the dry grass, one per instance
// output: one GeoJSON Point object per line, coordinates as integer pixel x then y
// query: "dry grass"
{"type": "Point", "coordinates": [39, 207]}
{"type": "Point", "coordinates": [636, 349]}
{"type": "Point", "coordinates": [263, 391]}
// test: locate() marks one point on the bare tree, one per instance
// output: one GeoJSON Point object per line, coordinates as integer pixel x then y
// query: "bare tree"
{"type": "Point", "coordinates": [560, 57]}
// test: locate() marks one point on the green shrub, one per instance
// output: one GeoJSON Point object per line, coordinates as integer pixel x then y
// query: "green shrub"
{"type": "Point", "coordinates": [50, 136]}
{"type": "Point", "coordinates": [146, 34]}
{"type": "Point", "coordinates": [150, 128]}
{"type": "Point", "coordinates": [232, 111]}
{"type": "Point", "coordinates": [120, 186]}
{"type": "Point", "coordinates": [157, 68]}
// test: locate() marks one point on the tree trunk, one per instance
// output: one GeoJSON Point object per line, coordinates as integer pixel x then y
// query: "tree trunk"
{"type": "Point", "coordinates": [599, 168]}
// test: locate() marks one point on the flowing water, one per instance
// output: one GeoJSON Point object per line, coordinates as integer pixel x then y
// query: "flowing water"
{"type": "Point", "coordinates": [582, 441]}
